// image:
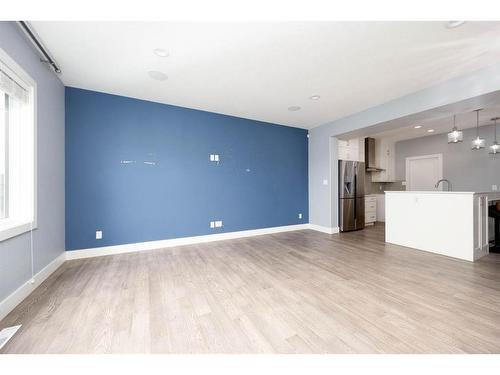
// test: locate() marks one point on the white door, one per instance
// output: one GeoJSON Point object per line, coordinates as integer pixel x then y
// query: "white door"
{"type": "Point", "coordinates": [422, 172]}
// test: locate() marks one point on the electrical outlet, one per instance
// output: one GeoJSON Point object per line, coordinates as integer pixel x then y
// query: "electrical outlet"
{"type": "Point", "coordinates": [98, 234]}
{"type": "Point", "coordinates": [218, 224]}
{"type": "Point", "coordinates": [494, 187]}
{"type": "Point", "coordinates": [325, 182]}
{"type": "Point", "coordinates": [300, 216]}
{"type": "Point", "coordinates": [216, 157]}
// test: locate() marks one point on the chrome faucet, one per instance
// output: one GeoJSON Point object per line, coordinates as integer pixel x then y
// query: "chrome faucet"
{"type": "Point", "coordinates": [444, 180]}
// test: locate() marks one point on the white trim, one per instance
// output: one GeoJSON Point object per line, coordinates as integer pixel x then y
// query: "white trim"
{"type": "Point", "coordinates": [153, 245]}
{"type": "Point", "coordinates": [17, 70]}
{"type": "Point", "coordinates": [439, 157]}
{"type": "Point", "coordinates": [16, 297]}
{"type": "Point", "coordinates": [35, 155]}
{"type": "Point", "coordinates": [327, 230]}
{"type": "Point", "coordinates": [7, 333]}
{"type": "Point", "coordinates": [10, 228]}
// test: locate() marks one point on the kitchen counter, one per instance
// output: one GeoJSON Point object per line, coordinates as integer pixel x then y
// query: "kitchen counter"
{"type": "Point", "coordinates": [492, 195]}
{"type": "Point", "coordinates": [448, 223]}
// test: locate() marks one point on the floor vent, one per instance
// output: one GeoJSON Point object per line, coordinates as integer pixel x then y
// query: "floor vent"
{"type": "Point", "coordinates": [6, 334]}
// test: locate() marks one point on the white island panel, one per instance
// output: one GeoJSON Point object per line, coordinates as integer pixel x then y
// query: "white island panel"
{"type": "Point", "coordinates": [447, 223]}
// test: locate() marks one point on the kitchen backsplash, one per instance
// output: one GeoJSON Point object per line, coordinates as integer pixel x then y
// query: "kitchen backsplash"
{"type": "Point", "coordinates": [380, 187]}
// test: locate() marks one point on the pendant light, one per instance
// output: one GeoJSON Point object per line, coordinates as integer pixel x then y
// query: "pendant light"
{"type": "Point", "coordinates": [477, 143]}
{"type": "Point", "coordinates": [455, 135]}
{"type": "Point", "coordinates": [495, 147]}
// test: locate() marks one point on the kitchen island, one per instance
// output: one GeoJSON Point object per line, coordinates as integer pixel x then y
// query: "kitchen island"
{"type": "Point", "coordinates": [448, 223]}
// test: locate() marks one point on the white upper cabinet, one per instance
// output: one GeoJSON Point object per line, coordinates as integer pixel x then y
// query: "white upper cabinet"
{"type": "Point", "coordinates": [352, 149]}
{"type": "Point", "coordinates": [385, 158]}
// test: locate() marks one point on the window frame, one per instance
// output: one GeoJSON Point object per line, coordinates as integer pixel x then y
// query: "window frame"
{"type": "Point", "coordinates": [11, 227]}
{"type": "Point", "coordinates": [3, 99]}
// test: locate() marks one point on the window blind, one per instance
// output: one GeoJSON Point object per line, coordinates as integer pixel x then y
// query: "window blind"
{"type": "Point", "coordinates": [12, 87]}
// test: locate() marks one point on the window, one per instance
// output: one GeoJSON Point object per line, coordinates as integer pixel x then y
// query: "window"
{"type": "Point", "coordinates": [4, 149]}
{"type": "Point", "coordinates": [17, 149]}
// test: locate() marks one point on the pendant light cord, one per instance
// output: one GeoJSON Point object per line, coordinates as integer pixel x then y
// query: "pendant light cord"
{"type": "Point", "coordinates": [477, 123]}
{"type": "Point", "coordinates": [495, 130]}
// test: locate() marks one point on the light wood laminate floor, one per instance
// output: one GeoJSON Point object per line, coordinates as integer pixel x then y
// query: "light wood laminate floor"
{"type": "Point", "coordinates": [295, 292]}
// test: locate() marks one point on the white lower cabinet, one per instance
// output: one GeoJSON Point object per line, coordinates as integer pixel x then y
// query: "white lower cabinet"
{"type": "Point", "coordinates": [370, 209]}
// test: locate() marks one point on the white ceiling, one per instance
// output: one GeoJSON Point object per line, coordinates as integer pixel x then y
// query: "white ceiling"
{"type": "Point", "coordinates": [257, 70]}
{"type": "Point", "coordinates": [439, 125]}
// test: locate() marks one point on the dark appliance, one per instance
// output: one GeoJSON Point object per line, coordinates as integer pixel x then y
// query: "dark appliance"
{"type": "Point", "coordinates": [351, 195]}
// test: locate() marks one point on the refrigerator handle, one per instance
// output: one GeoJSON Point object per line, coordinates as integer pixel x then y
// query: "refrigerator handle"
{"type": "Point", "coordinates": [355, 193]}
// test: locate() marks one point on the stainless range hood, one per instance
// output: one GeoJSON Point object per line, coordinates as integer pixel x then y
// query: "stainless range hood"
{"type": "Point", "coordinates": [370, 165]}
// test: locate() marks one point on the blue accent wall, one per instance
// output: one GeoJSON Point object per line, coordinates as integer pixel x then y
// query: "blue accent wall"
{"type": "Point", "coordinates": [171, 189]}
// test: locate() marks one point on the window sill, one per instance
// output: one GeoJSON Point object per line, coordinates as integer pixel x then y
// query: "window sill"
{"type": "Point", "coordinates": [13, 228]}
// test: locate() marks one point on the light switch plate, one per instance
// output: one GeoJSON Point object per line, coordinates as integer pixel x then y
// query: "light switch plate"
{"type": "Point", "coordinates": [216, 157]}
{"type": "Point", "coordinates": [212, 157]}
{"type": "Point", "coordinates": [325, 182]}
{"type": "Point", "coordinates": [494, 187]}
{"type": "Point", "coordinates": [98, 234]}
{"type": "Point", "coordinates": [300, 216]}
{"type": "Point", "coordinates": [212, 224]}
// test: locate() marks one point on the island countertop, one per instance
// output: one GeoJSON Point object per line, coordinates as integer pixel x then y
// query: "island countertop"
{"type": "Point", "coordinates": [492, 195]}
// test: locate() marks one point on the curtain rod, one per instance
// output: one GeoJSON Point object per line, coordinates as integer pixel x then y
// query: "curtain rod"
{"type": "Point", "coordinates": [39, 46]}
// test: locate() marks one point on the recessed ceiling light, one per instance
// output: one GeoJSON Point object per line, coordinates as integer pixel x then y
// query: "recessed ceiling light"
{"type": "Point", "coordinates": [417, 126]}
{"type": "Point", "coordinates": [430, 130]}
{"type": "Point", "coordinates": [294, 108]}
{"type": "Point", "coordinates": [160, 52]}
{"type": "Point", "coordinates": [159, 76]}
{"type": "Point", "coordinates": [453, 24]}
{"type": "Point", "coordinates": [314, 97]}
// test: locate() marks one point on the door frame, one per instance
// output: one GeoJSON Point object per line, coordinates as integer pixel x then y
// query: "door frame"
{"type": "Point", "coordinates": [439, 157]}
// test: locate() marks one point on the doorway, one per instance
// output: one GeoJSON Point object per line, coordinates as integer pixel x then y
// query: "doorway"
{"type": "Point", "coordinates": [422, 172]}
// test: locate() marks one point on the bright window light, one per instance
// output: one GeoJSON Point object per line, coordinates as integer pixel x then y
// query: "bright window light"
{"type": "Point", "coordinates": [17, 149]}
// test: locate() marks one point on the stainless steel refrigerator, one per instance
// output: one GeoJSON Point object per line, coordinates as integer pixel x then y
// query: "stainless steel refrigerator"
{"type": "Point", "coordinates": [351, 195]}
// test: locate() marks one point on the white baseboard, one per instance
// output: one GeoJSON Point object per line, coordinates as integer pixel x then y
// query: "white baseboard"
{"type": "Point", "coordinates": [320, 228]}
{"type": "Point", "coordinates": [152, 245]}
{"type": "Point", "coordinates": [16, 297]}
